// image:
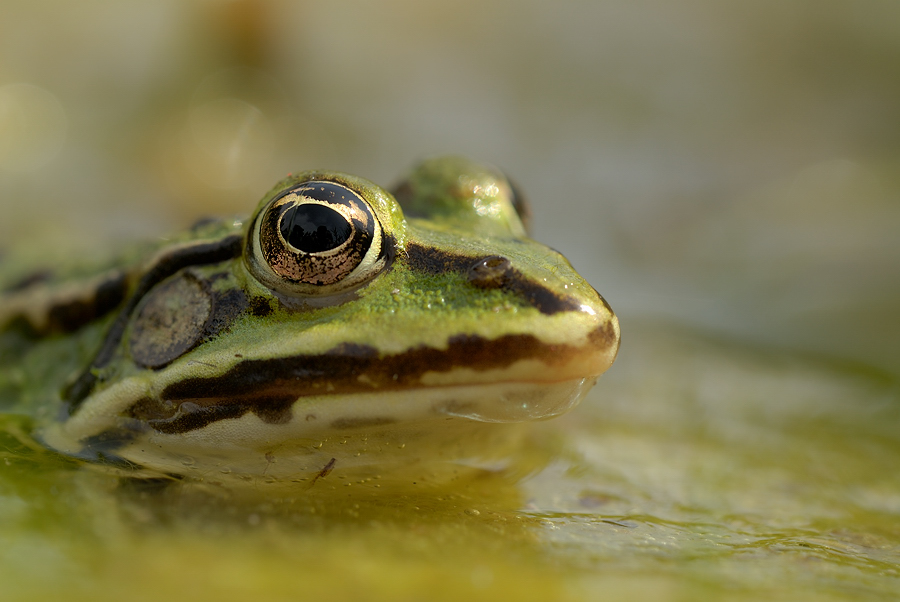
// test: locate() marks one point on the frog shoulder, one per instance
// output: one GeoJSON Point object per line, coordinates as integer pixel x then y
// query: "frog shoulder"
{"type": "Point", "coordinates": [54, 292]}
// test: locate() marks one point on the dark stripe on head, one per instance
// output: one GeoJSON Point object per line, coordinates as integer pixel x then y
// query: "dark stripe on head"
{"type": "Point", "coordinates": [202, 253]}
{"type": "Point", "coordinates": [69, 317]}
{"type": "Point", "coordinates": [435, 261]}
{"type": "Point", "coordinates": [269, 387]}
{"type": "Point", "coordinates": [537, 295]}
{"type": "Point", "coordinates": [71, 314]}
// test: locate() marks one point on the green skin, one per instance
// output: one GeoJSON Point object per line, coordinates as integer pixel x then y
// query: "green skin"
{"type": "Point", "coordinates": [406, 309]}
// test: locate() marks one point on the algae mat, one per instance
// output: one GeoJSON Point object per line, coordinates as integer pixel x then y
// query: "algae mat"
{"type": "Point", "coordinates": [697, 469]}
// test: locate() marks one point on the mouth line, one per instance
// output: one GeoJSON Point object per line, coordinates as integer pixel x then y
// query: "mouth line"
{"type": "Point", "coordinates": [441, 413]}
{"type": "Point", "coordinates": [277, 404]}
{"type": "Point", "coordinates": [501, 401]}
{"type": "Point", "coordinates": [352, 367]}
{"type": "Point", "coordinates": [270, 387]}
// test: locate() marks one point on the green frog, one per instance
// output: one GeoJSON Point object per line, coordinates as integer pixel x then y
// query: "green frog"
{"type": "Point", "coordinates": [340, 329]}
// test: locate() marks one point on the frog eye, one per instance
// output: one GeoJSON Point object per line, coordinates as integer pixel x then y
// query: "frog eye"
{"type": "Point", "coordinates": [315, 238]}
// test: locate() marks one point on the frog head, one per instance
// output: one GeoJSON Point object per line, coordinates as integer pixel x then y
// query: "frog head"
{"type": "Point", "coordinates": [340, 312]}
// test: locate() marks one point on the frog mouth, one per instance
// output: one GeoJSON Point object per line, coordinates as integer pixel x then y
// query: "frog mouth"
{"type": "Point", "coordinates": [305, 416]}
{"type": "Point", "coordinates": [470, 424]}
{"type": "Point", "coordinates": [351, 388]}
{"type": "Point", "coordinates": [469, 366]}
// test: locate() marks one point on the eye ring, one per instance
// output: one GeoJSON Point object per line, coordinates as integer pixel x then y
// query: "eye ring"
{"type": "Point", "coordinates": [314, 238]}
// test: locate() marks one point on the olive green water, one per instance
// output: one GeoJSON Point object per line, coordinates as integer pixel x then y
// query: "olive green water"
{"type": "Point", "coordinates": [699, 468]}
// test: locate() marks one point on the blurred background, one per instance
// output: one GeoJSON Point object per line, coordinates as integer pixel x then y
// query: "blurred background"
{"type": "Point", "coordinates": [734, 166]}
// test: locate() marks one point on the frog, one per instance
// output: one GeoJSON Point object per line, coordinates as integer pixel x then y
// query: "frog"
{"type": "Point", "coordinates": [340, 329]}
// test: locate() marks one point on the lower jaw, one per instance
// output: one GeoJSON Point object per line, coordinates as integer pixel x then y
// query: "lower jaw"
{"type": "Point", "coordinates": [379, 437]}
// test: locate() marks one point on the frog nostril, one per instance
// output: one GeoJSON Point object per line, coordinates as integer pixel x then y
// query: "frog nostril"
{"type": "Point", "coordinates": [489, 272]}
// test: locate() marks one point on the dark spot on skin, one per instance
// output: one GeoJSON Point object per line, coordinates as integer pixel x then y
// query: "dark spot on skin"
{"type": "Point", "coordinates": [171, 418]}
{"type": "Point", "coordinates": [260, 307]}
{"type": "Point", "coordinates": [171, 320]}
{"type": "Point", "coordinates": [355, 423]}
{"type": "Point", "coordinates": [180, 314]}
{"type": "Point", "coordinates": [277, 411]}
{"type": "Point", "coordinates": [604, 336]}
{"type": "Point", "coordinates": [227, 306]}
{"type": "Point", "coordinates": [203, 253]}
{"type": "Point", "coordinates": [310, 417]}
{"type": "Point", "coordinates": [109, 441]}
{"type": "Point", "coordinates": [103, 447]}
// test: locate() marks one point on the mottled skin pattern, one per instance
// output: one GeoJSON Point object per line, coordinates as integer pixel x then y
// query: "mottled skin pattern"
{"type": "Point", "coordinates": [206, 343]}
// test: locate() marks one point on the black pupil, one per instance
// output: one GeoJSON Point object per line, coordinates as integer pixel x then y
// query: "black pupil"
{"type": "Point", "coordinates": [314, 228]}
